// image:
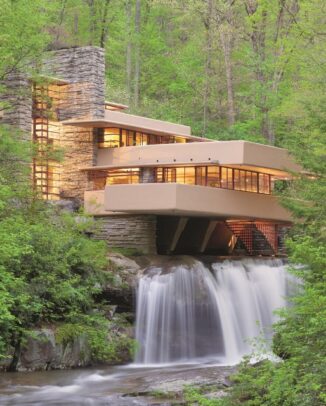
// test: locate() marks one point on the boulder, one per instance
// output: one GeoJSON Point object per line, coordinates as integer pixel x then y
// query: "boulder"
{"type": "Point", "coordinates": [42, 352]}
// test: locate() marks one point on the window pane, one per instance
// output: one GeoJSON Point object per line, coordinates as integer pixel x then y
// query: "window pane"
{"type": "Point", "coordinates": [230, 178]}
{"type": "Point", "coordinates": [213, 176]}
{"type": "Point", "coordinates": [236, 179]}
{"type": "Point", "coordinates": [123, 176]}
{"type": "Point", "coordinates": [159, 175]}
{"type": "Point", "coordinates": [254, 180]}
{"type": "Point", "coordinates": [138, 139]}
{"type": "Point", "coordinates": [123, 138]}
{"type": "Point", "coordinates": [180, 175]}
{"type": "Point", "coordinates": [190, 176]}
{"type": "Point", "coordinates": [179, 140]}
{"type": "Point", "coordinates": [264, 183]}
{"type": "Point", "coordinates": [130, 139]}
{"type": "Point", "coordinates": [224, 178]}
{"type": "Point", "coordinates": [200, 175]}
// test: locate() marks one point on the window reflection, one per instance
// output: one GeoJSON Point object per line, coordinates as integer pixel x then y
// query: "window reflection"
{"type": "Point", "coordinates": [114, 137]}
{"type": "Point", "coordinates": [212, 176]}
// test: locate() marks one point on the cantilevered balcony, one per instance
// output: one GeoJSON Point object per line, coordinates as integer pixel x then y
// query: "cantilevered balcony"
{"type": "Point", "coordinates": [184, 200]}
{"type": "Point", "coordinates": [231, 153]}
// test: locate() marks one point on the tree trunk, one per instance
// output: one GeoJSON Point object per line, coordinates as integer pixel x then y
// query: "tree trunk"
{"type": "Point", "coordinates": [104, 28]}
{"type": "Point", "coordinates": [128, 49]}
{"type": "Point", "coordinates": [208, 22]}
{"type": "Point", "coordinates": [257, 37]}
{"type": "Point", "coordinates": [92, 22]}
{"type": "Point", "coordinates": [226, 40]}
{"type": "Point", "coordinates": [137, 54]}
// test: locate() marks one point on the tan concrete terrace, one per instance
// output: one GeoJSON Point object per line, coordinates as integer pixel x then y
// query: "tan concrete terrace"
{"type": "Point", "coordinates": [184, 200]}
{"type": "Point", "coordinates": [238, 153]}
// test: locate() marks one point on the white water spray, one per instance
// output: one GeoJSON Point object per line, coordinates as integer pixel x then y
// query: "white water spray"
{"type": "Point", "coordinates": [188, 311]}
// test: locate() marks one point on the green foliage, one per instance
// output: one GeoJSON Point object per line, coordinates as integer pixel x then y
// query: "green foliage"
{"type": "Point", "coordinates": [198, 397]}
{"type": "Point", "coordinates": [50, 271]}
{"type": "Point", "coordinates": [96, 330]}
{"type": "Point", "coordinates": [23, 34]}
{"type": "Point", "coordinates": [299, 379]}
{"type": "Point", "coordinates": [128, 252]}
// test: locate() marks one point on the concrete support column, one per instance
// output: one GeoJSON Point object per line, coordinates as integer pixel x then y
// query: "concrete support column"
{"type": "Point", "coordinates": [177, 234]}
{"type": "Point", "coordinates": [209, 230]}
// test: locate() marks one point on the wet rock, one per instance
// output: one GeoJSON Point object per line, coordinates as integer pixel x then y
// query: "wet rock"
{"type": "Point", "coordinates": [121, 292]}
{"type": "Point", "coordinates": [42, 352]}
{"type": "Point", "coordinates": [7, 360]}
{"type": "Point", "coordinates": [127, 268]}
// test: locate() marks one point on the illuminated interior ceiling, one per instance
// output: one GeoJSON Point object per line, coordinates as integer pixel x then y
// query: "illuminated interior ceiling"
{"type": "Point", "coordinates": [138, 123]}
{"type": "Point", "coordinates": [274, 172]}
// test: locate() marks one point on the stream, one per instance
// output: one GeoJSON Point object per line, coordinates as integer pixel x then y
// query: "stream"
{"type": "Point", "coordinates": [194, 322]}
{"type": "Point", "coordinates": [118, 386]}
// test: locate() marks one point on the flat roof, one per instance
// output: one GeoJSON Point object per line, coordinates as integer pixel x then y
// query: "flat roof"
{"type": "Point", "coordinates": [116, 105]}
{"type": "Point", "coordinates": [133, 122]}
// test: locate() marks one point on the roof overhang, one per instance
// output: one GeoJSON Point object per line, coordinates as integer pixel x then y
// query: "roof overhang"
{"type": "Point", "coordinates": [137, 123]}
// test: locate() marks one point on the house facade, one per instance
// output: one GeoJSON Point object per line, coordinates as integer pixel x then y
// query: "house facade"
{"type": "Point", "coordinates": [153, 186]}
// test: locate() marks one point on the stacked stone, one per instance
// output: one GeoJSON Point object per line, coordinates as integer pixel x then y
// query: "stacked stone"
{"type": "Point", "coordinates": [134, 231]}
{"type": "Point", "coordinates": [17, 98]}
{"type": "Point", "coordinates": [82, 98]}
{"type": "Point", "coordinates": [84, 70]}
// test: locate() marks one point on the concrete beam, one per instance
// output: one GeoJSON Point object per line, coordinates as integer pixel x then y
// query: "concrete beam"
{"type": "Point", "coordinates": [210, 228]}
{"type": "Point", "coordinates": [177, 234]}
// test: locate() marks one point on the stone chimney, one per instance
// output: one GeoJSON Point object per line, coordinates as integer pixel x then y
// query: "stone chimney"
{"type": "Point", "coordinates": [84, 70]}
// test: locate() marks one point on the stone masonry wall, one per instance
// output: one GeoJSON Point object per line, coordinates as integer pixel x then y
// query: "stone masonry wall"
{"type": "Point", "coordinates": [129, 231]}
{"type": "Point", "coordinates": [17, 97]}
{"type": "Point", "coordinates": [83, 97]}
{"type": "Point", "coordinates": [84, 69]}
{"type": "Point", "coordinates": [78, 145]}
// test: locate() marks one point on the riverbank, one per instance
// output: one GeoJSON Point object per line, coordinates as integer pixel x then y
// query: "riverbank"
{"type": "Point", "coordinates": [116, 386]}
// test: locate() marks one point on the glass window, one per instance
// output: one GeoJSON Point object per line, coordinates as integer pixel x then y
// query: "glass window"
{"type": "Point", "coordinates": [200, 175]}
{"type": "Point", "coordinates": [180, 175]}
{"type": "Point", "coordinates": [110, 138]}
{"type": "Point", "coordinates": [236, 178]}
{"type": "Point", "coordinates": [254, 182]}
{"type": "Point", "coordinates": [230, 178]}
{"type": "Point", "coordinates": [152, 139]}
{"type": "Point", "coordinates": [130, 139]}
{"type": "Point", "coordinates": [123, 176]}
{"type": "Point", "coordinates": [123, 138]}
{"type": "Point", "coordinates": [224, 178]}
{"type": "Point", "coordinates": [264, 184]}
{"type": "Point", "coordinates": [179, 140]}
{"type": "Point", "coordinates": [159, 175]}
{"type": "Point", "coordinates": [138, 140]}
{"type": "Point", "coordinates": [189, 176]}
{"type": "Point", "coordinates": [170, 175]}
{"type": "Point", "coordinates": [213, 176]}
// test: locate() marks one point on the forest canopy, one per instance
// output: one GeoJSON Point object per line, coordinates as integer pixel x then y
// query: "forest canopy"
{"type": "Point", "coordinates": [232, 69]}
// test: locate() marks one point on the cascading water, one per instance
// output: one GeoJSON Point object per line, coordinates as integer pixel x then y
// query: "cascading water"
{"type": "Point", "coordinates": [189, 310]}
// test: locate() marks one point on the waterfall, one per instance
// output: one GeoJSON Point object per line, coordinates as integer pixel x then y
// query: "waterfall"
{"type": "Point", "coordinates": [189, 310]}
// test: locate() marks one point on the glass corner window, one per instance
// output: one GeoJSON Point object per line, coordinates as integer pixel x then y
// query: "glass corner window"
{"type": "Point", "coordinates": [109, 138]}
